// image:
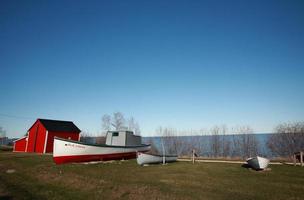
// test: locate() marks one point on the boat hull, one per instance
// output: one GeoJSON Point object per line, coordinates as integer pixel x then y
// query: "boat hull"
{"type": "Point", "coordinates": [144, 158]}
{"type": "Point", "coordinates": [258, 163]}
{"type": "Point", "coordinates": [67, 151]}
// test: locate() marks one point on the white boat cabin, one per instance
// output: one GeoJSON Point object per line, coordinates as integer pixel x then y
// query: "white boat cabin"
{"type": "Point", "coordinates": [122, 138]}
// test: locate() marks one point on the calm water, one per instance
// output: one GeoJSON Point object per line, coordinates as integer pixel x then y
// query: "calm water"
{"type": "Point", "coordinates": [204, 142]}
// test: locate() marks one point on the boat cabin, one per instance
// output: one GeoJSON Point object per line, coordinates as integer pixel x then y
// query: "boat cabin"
{"type": "Point", "coordinates": [122, 138]}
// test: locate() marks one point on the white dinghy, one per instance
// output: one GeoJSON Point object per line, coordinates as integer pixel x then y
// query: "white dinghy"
{"type": "Point", "coordinates": [258, 163]}
{"type": "Point", "coordinates": [145, 158]}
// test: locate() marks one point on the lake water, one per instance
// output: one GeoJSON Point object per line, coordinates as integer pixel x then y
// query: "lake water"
{"type": "Point", "coordinates": [205, 142]}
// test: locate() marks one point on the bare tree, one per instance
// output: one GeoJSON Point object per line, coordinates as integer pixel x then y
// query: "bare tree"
{"type": "Point", "coordinates": [176, 142]}
{"type": "Point", "coordinates": [171, 142]}
{"type": "Point", "coordinates": [118, 122]}
{"type": "Point", "coordinates": [137, 130]}
{"type": "Point", "coordinates": [2, 132]}
{"type": "Point", "coordinates": [220, 145]}
{"type": "Point", "coordinates": [86, 137]}
{"type": "Point", "coordinates": [2, 135]}
{"type": "Point", "coordinates": [215, 143]}
{"type": "Point", "coordinates": [245, 142]}
{"type": "Point", "coordinates": [106, 122]}
{"type": "Point", "coordinates": [133, 126]}
{"type": "Point", "coordinates": [288, 138]}
{"type": "Point", "coordinates": [159, 132]}
{"type": "Point", "coordinates": [225, 143]}
{"type": "Point", "coordinates": [193, 143]}
{"type": "Point", "coordinates": [154, 149]}
{"type": "Point", "coordinates": [201, 144]}
{"type": "Point", "coordinates": [235, 146]}
{"type": "Point", "coordinates": [131, 123]}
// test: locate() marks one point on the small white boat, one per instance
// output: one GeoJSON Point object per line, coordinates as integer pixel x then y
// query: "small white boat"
{"type": "Point", "coordinates": [258, 163]}
{"type": "Point", "coordinates": [119, 145]}
{"type": "Point", "coordinates": [145, 158]}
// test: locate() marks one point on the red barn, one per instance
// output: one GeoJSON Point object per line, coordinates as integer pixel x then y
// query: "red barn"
{"type": "Point", "coordinates": [20, 144]}
{"type": "Point", "coordinates": [40, 137]}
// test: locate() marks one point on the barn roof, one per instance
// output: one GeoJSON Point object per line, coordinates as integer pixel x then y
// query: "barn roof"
{"type": "Point", "coordinates": [59, 126]}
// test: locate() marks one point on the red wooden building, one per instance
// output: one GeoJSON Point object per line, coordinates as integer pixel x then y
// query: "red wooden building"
{"type": "Point", "coordinates": [20, 144]}
{"type": "Point", "coordinates": [40, 137]}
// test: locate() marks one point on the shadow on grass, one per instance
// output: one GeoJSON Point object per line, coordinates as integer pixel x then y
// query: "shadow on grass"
{"type": "Point", "coordinates": [6, 197]}
{"type": "Point", "coordinates": [246, 166]}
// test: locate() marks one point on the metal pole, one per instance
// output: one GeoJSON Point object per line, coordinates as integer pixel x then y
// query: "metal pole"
{"type": "Point", "coordinates": [163, 147]}
{"type": "Point", "coordinates": [193, 153]}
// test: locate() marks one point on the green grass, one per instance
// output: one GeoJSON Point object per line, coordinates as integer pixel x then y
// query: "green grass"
{"type": "Point", "coordinates": [6, 148]}
{"type": "Point", "coordinates": [37, 177]}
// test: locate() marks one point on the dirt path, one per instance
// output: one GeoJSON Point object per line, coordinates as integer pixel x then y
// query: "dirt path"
{"type": "Point", "coordinates": [227, 161]}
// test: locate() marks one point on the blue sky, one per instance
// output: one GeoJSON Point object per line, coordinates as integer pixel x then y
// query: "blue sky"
{"type": "Point", "coordinates": [182, 64]}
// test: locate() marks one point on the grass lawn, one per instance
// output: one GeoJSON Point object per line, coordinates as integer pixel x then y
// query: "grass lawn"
{"type": "Point", "coordinates": [37, 177]}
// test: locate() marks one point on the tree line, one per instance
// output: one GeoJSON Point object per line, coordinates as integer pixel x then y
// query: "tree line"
{"type": "Point", "coordinates": [2, 132]}
{"type": "Point", "coordinates": [242, 143]}
{"type": "Point", "coordinates": [218, 145]}
{"type": "Point", "coordinates": [222, 142]}
{"type": "Point", "coordinates": [288, 139]}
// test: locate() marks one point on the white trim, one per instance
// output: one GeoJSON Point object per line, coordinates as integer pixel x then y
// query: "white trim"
{"type": "Point", "coordinates": [78, 137]}
{"type": "Point", "coordinates": [14, 146]}
{"type": "Point", "coordinates": [20, 139]}
{"type": "Point", "coordinates": [27, 141]}
{"type": "Point", "coordinates": [45, 140]}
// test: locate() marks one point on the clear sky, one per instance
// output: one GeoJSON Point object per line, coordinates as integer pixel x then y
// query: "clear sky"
{"type": "Point", "coordinates": [182, 64]}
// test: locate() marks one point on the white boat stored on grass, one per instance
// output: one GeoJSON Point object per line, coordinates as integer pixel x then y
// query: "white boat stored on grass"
{"type": "Point", "coordinates": [145, 158]}
{"type": "Point", "coordinates": [258, 163]}
{"type": "Point", "coordinates": [119, 145]}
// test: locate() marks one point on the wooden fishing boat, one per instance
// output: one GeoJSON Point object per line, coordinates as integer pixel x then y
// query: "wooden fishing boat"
{"type": "Point", "coordinates": [145, 158]}
{"type": "Point", "coordinates": [258, 163]}
{"type": "Point", "coordinates": [119, 145]}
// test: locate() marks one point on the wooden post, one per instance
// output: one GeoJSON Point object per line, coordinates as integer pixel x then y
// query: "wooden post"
{"type": "Point", "coordinates": [294, 157]}
{"type": "Point", "coordinates": [164, 152]}
{"type": "Point", "coordinates": [193, 154]}
{"type": "Point", "coordinates": [301, 158]}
